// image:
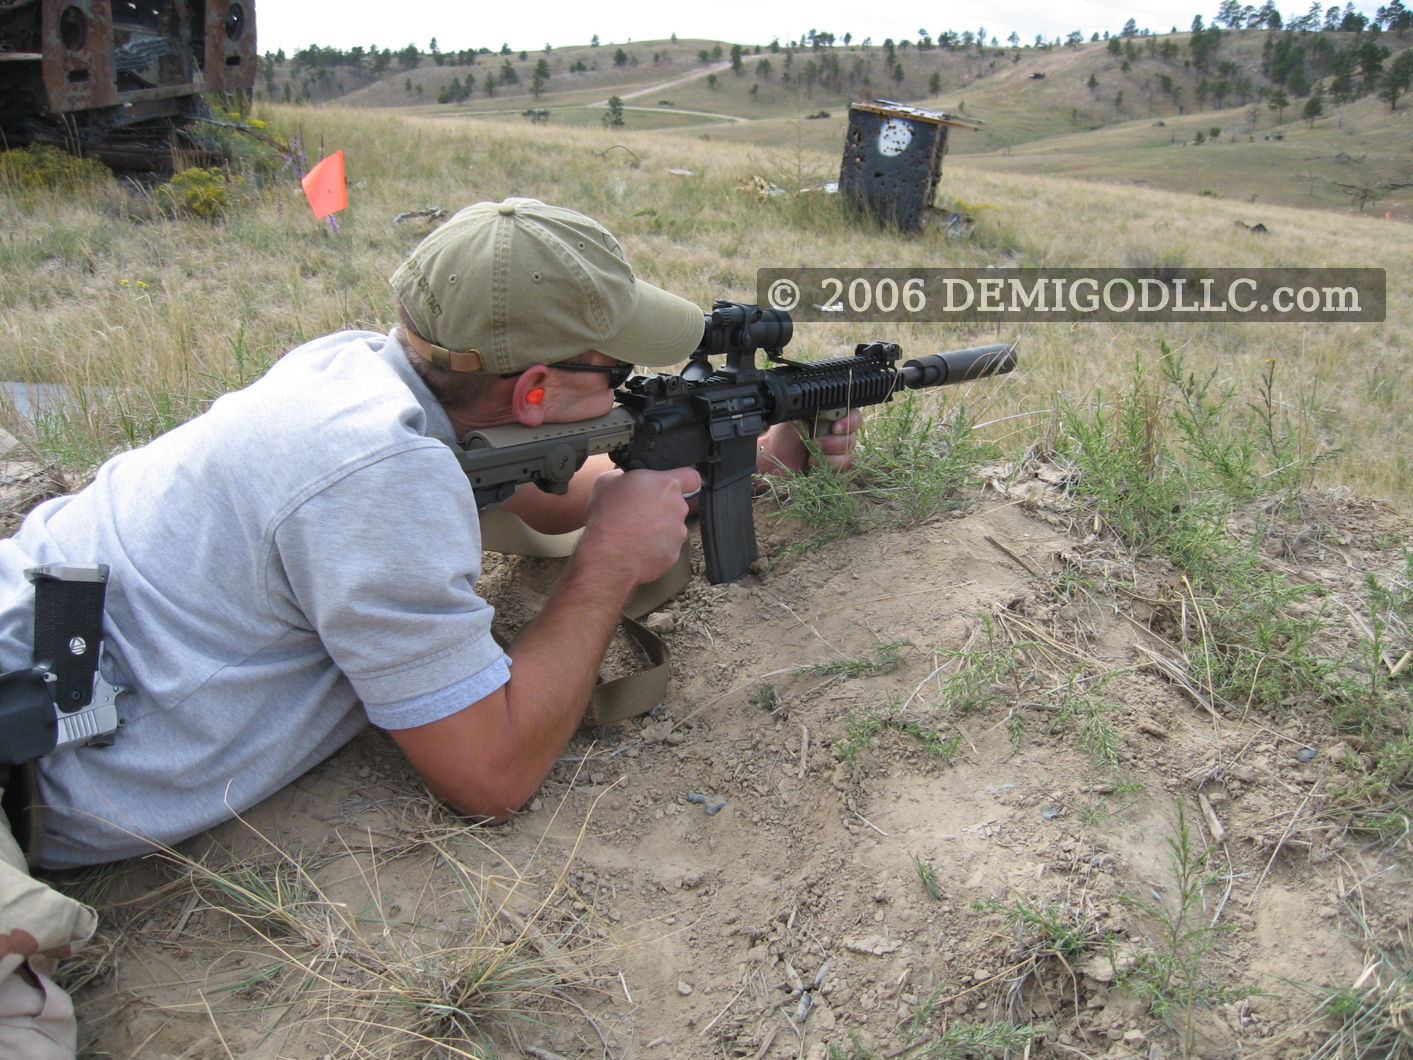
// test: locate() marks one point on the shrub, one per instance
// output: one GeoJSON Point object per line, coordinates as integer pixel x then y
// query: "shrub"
{"type": "Point", "coordinates": [195, 192]}
{"type": "Point", "coordinates": [42, 168]}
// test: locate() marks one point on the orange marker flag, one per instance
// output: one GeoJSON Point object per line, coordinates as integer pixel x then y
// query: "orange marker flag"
{"type": "Point", "coordinates": [324, 186]}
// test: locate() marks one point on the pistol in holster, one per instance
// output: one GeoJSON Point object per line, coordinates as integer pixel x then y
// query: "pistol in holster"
{"type": "Point", "coordinates": [61, 701]}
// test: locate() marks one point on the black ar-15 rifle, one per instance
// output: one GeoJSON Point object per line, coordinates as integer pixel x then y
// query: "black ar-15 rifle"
{"type": "Point", "coordinates": [710, 416]}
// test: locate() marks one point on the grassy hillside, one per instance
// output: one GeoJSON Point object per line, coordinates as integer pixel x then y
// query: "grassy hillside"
{"type": "Point", "coordinates": [1160, 111]}
{"type": "Point", "coordinates": [268, 275]}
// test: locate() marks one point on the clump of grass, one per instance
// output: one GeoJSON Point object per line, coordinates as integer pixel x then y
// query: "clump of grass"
{"type": "Point", "coordinates": [1052, 931]}
{"type": "Point", "coordinates": [927, 876]}
{"type": "Point", "coordinates": [362, 979]}
{"type": "Point", "coordinates": [860, 731]}
{"type": "Point", "coordinates": [928, 1035]}
{"type": "Point", "coordinates": [1373, 1017]}
{"type": "Point", "coordinates": [910, 465]}
{"type": "Point", "coordinates": [1044, 939]}
{"type": "Point", "coordinates": [1374, 700]}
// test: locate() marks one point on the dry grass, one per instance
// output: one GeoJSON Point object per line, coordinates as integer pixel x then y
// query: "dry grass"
{"type": "Point", "coordinates": [302, 952]}
{"type": "Point", "coordinates": [100, 294]}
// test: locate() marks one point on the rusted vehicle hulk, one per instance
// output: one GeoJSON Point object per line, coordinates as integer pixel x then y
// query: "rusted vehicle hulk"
{"type": "Point", "coordinates": [111, 78]}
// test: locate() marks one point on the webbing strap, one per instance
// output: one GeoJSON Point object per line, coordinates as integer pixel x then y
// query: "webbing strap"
{"type": "Point", "coordinates": [503, 532]}
{"type": "Point", "coordinates": [622, 697]}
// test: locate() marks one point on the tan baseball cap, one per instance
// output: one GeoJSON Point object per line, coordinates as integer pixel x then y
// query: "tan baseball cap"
{"type": "Point", "coordinates": [502, 286]}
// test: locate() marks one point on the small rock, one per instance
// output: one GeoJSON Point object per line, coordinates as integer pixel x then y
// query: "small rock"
{"type": "Point", "coordinates": [661, 622]}
{"type": "Point", "coordinates": [683, 987]}
{"type": "Point", "coordinates": [874, 945]}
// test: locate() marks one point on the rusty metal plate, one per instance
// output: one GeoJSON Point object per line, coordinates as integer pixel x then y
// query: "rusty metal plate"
{"type": "Point", "coordinates": [107, 53]}
{"type": "Point", "coordinates": [892, 162]}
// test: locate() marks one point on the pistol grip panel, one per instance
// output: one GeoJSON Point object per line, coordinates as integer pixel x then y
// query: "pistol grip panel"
{"type": "Point", "coordinates": [68, 631]}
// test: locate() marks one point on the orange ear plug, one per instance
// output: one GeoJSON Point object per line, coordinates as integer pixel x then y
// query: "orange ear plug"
{"type": "Point", "coordinates": [535, 396]}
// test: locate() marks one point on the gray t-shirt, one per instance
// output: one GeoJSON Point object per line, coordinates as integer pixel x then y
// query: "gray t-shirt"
{"type": "Point", "coordinates": [302, 547]}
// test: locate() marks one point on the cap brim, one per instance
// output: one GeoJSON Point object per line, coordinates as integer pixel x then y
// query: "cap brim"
{"type": "Point", "coordinates": [664, 329]}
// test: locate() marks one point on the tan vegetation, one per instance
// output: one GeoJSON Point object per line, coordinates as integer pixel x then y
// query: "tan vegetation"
{"type": "Point", "coordinates": [100, 293]}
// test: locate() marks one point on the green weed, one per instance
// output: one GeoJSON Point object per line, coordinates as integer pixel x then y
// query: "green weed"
{"type": "Point", "coordinates": [885, 659]}
{"type": "Point", "coordinates": [909, 466]}
{"type": "Point", "coordinates": [919, 462]}
{"type": "Point", "coordinates": [1090, 716]}
{"type": "Point", "coordinates": [983, 676]}
{"type": "Point", "coordinates": [766, 697]}
{"type": "Point", "coordinates": [927, 876]}
{"type": "Point", "coordinates": [827, 503]}
{"type": "Point", "coordinates": [860, 730]}
{"type": "Point", "coordinates": [1173, 978]}
{"type": "Point", "coordinates": [1259, 451]}
{"type": "Point", "coordinates": [1096, 812]}
{"type": "Point", "coordinates": [1052, 930]}
{"type": "Point", "coordinates": [1252, 641]}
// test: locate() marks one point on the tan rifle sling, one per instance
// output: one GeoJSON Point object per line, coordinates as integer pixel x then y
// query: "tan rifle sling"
{"type": "Point", "coordinates": [623, 697]}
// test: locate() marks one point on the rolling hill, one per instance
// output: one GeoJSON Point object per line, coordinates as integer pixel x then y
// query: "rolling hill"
{"type": "Point", "coordinates": [1175, 111]}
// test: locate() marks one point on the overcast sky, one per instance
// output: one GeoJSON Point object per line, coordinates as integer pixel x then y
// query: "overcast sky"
{"type": "Point", "coordinates": [295, 24]}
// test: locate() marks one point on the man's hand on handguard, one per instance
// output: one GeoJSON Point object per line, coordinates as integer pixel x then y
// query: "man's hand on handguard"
{"type": "Point", "coordinates": [783, 449]}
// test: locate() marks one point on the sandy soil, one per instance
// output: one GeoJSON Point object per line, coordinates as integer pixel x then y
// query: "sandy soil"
{"type": "Point", "coordinates": [802, 858]}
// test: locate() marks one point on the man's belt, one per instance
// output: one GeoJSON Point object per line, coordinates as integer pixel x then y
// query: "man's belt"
{"type": "Point", "coordinates": [62, 700]}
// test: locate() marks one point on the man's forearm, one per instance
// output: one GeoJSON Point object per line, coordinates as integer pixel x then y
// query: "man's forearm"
{"type": "Point", "coordinates": [487, 759]}
{"type": "Point", "coordinates": [556, 660]}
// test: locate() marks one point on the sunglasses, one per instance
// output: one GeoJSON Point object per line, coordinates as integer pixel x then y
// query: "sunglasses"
{"type": "Point", "coordinates": [617, 373]}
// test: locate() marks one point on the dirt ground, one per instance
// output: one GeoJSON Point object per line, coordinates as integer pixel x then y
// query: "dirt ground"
{"type": "Point", "coordinates": [807, 852]}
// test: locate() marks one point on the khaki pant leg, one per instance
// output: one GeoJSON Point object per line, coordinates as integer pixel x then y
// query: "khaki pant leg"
{"type": "Point", "coordinates": [38, 925]}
